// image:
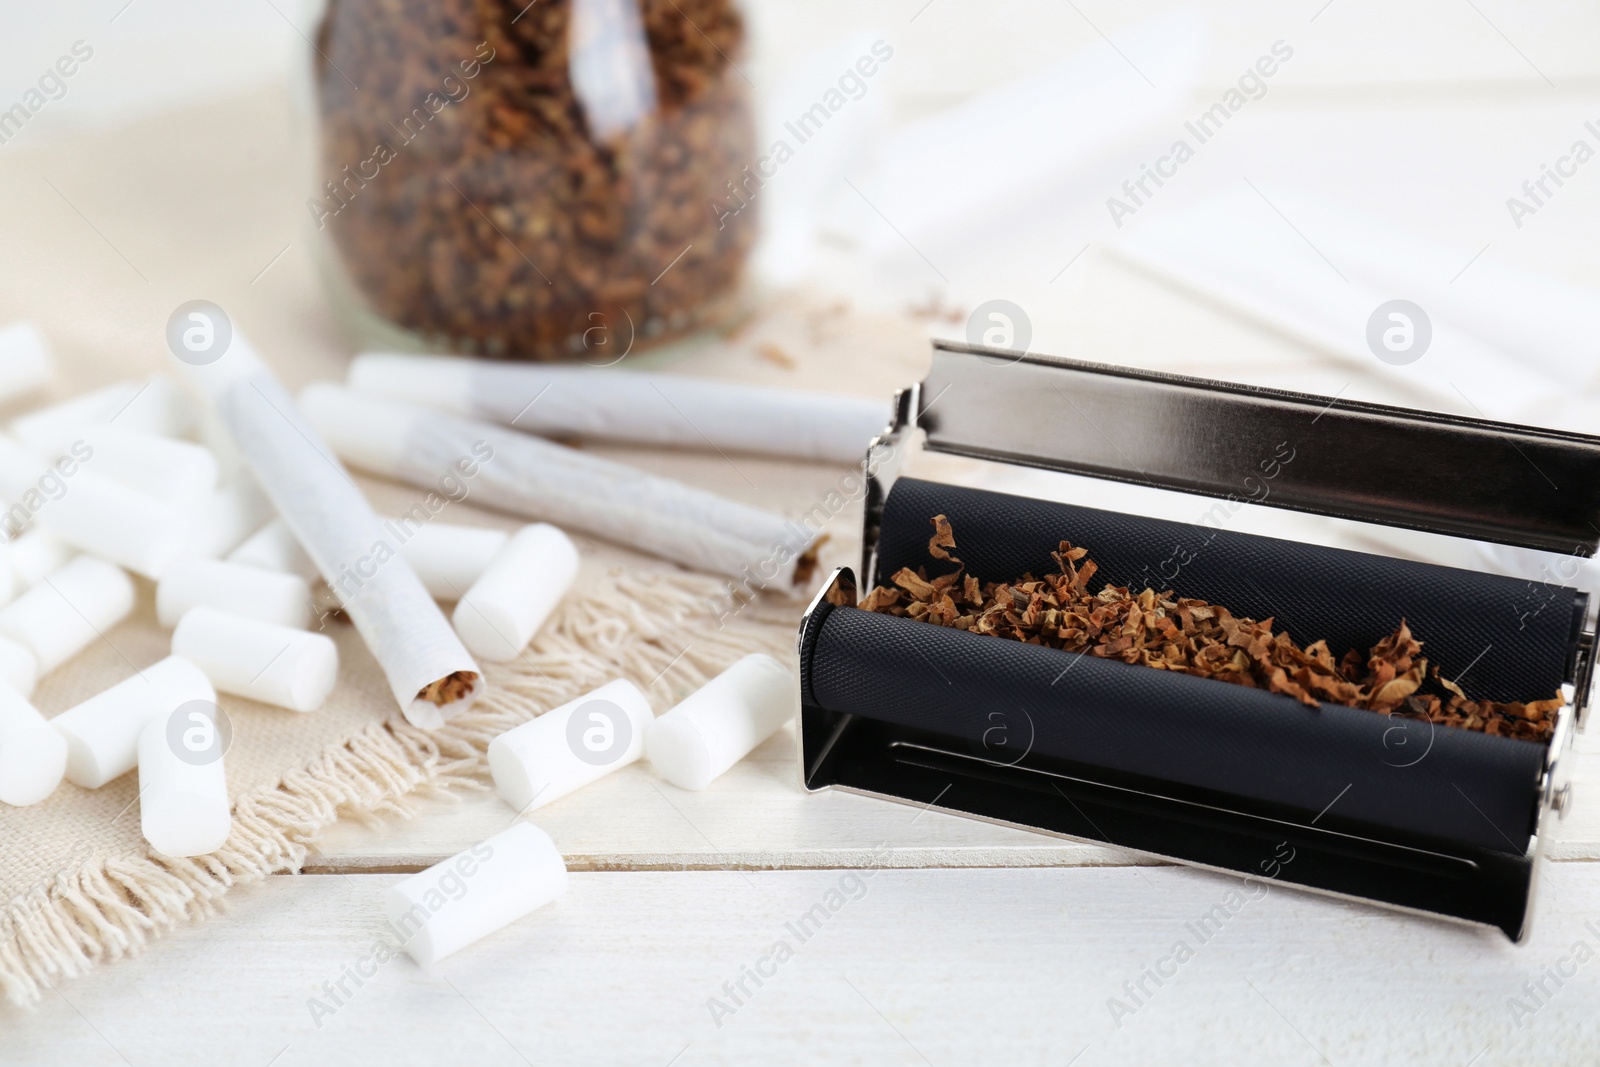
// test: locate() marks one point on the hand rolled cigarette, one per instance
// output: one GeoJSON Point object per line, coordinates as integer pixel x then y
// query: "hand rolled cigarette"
{"type": "Point", "coordinates": [430, 673]}
{"type": "Point", "coordinates": [655, 409]}
{"type": "Point", "coordinates": [530, 476]}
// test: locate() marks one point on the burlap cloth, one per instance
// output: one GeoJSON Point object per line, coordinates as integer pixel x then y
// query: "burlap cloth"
{"type": "Point", "coordinates": [107, 234]}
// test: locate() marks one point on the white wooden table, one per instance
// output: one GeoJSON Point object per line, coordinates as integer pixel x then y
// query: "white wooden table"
{"type": "Point", "coordinates": [942, 940]}
{"type": "Point", "coordinates": [951, 941]}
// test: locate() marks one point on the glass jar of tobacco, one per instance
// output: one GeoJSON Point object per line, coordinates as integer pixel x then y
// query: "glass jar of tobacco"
{"type": "Point", "coordinates": [537, 181]}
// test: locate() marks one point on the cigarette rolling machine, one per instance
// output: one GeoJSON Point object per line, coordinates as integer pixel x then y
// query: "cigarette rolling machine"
{"type": "Point", "coordinates": [1429, 818]}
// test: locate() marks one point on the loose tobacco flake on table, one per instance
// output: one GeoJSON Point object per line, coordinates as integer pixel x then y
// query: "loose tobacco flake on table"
{"type": "Point", "coordinates": [1173, 633]}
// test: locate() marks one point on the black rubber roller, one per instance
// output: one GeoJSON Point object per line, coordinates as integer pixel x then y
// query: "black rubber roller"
{"type": "Point", "coordinates": [1268, 751]}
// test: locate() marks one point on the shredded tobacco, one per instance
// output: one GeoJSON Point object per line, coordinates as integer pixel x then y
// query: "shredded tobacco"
{"type": "Point", "coordinates": [1173, 633]}
{"type": "Point", "coordinates": [449, 689]}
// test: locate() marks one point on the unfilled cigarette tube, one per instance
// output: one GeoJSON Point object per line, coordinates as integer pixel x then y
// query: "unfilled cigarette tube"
{"type": "Point", "coordinates": [261, 660]}
{"type": "Point", "coordinates": [34, 555]}
{"type": "Point", "coordinates": [18, 668]}
{"type": "Point", "coordinates": [223, 519]}
{"type": "Point", "coordinates": [103, 732]}
{"type": "Point", "coordinates": [183, 798]}
{"type": "Point", "coordinates": [90, 511]}
{"type": "Point", "coordinates": [653, 409]}
{"type": "Point", "coordinates": [721, 722]}
{"type": "Point", "coordinates": [505, 607]}
{"type": "Point", "coordinates": [155, 406]}
{"type": "Point", "coordinates": [429, 671]}
{"type": "Point", "coordinates": [447, 556]}
{"type": "Point", "coordinates": [177, 472]}
{"type": "Point", "coordinates": [529, 476]}
{"type": "Point", "coordinates": [270, 596]}
{"type": "Point", "coordinates": [67, 610]}
{"type": "Point", "coordinates": [25, 363]}
{"type": "Point", "coordinates": [274, 548]}
{"type": "Point", "coordinates": [33, 757]}
{"type": "Point", "coordinates": [476, 892]}
{"type": "Point", "coordinates": [568, 747]}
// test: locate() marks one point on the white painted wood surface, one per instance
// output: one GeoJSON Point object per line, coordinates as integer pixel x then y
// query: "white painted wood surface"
{"type": "Point", "coordinates": [943, 967]}
{"type": "Point", "coordinates": [757, 816]}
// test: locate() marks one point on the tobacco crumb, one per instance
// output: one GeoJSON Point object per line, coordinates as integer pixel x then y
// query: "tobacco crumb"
{"type": "Point", "coordinates": [449, 689]}
{"type": "Point", "coordinates": [1169, 632]}
{"type": "Point", "coordinates": [776, 353]}
{"type": "Point", "coordinates": [936, 309]}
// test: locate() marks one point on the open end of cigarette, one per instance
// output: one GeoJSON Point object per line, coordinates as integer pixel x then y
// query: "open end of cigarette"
{"type": "Point", "coordinates": [805, 564]}
{"type": "Point", "coordinates": [449, 689]}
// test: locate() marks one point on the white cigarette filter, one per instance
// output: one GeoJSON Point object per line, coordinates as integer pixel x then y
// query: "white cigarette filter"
{"type": "Point", "coordinates": [33, 757]}
{"type": "Point", "coordinates": [25, 362]}
{"type": "Point", "coordinates": [34, 555]}
{"type": "Point", "coordinates": [430, 672]}
{"type": "Point", "coordinates": [722, 722]}
{"type": "Point", "coordinates": [529, 476]}
{"type": "Point", "coordinates": [50, 429]}
{"type": "Point", "coordinates": [516, 593]}
{"type": "Point", "coordinates": [264, 661]}
{"type": "Point", "coordinates": [476, 892]}
{"type": "Point", "coordinates": [224, 518]}
{"type": "Point", "coordinates": [155, 406]}
{"type": "Point", "coordinates": [270, 596]}
{"type": "Point", "coordinates": [177, 472]}
{"type": "Point", "coordinates": [568, 747]}
{"type": "Point", "coordinates": [8, 577]}
{"type": "Point", "coordinates": [68, 610]}
{"type": "Point", "coordinates": [90, 511]}
{"type": "Point", "coordinates": [654, 409]}
{"type": "Point", "coordinates": [103, 732]}
{"type": "Point", "coordinates": [447, 556]}
{"type": "Point", "coordinates": [274, 548]}
{"type": "Point", "coordinates": [18, 668]}
{"type": "Point", "coordinates": [183, 790]}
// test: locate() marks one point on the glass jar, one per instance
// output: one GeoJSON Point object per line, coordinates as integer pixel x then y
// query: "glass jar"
{"type": "Point", "coordinates": [540, 180]}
